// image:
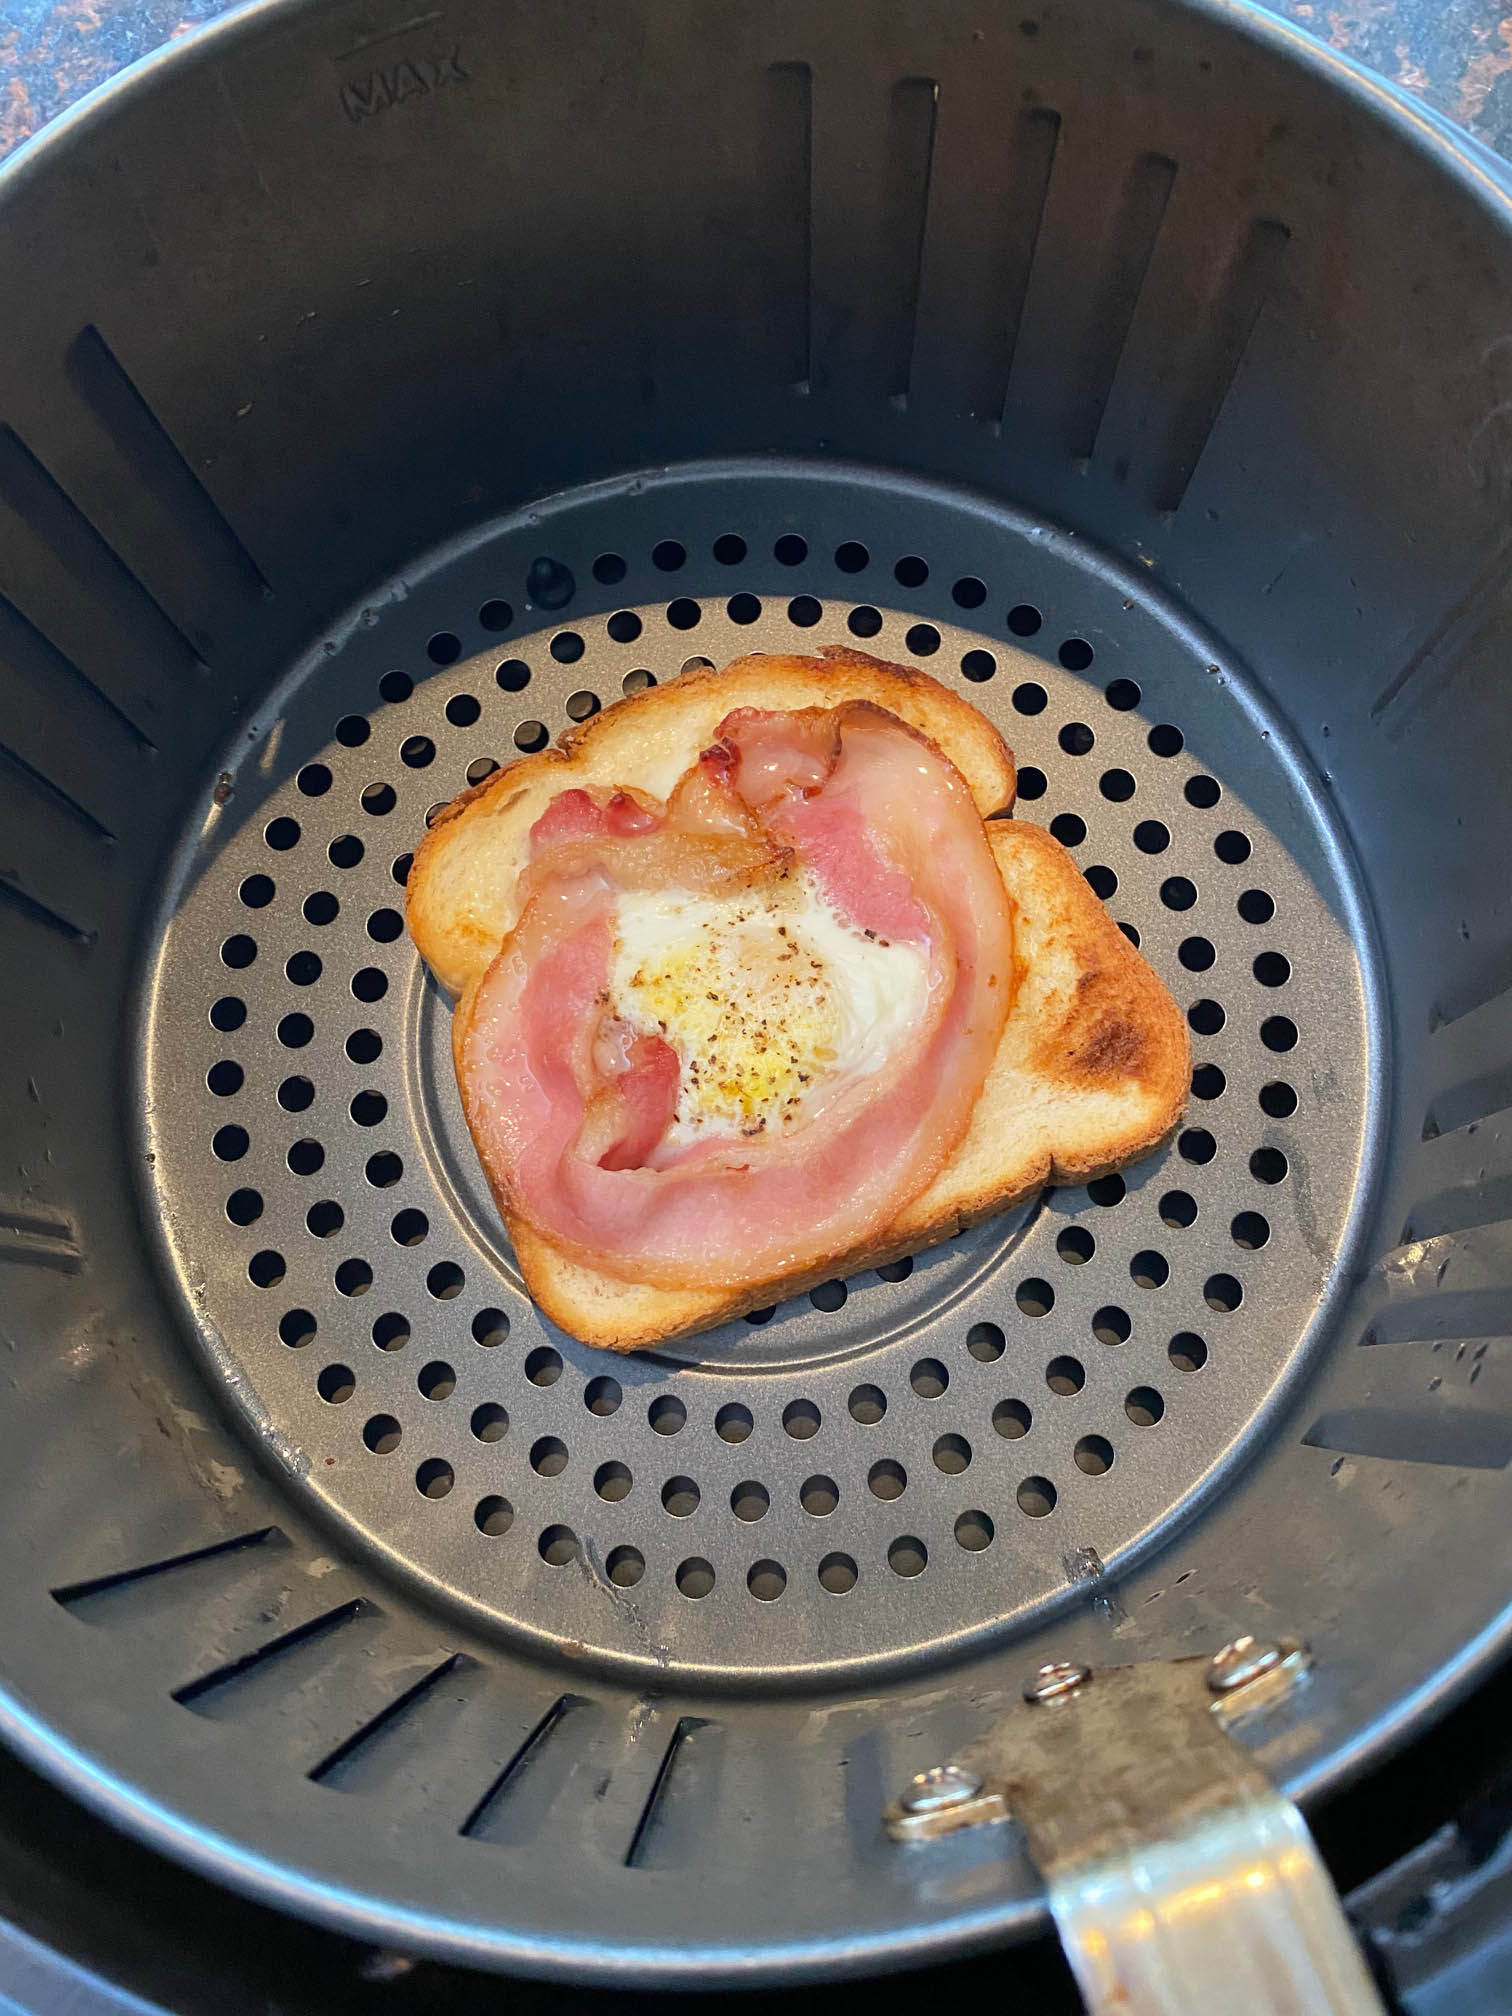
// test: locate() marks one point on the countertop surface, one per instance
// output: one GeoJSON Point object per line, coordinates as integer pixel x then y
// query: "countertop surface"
{"type": "Point", "coordinates": [1455, 54]}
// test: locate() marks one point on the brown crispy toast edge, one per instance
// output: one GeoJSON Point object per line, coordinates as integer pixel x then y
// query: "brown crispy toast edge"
{"type": "Point", "coordinates": [1091, 1024]}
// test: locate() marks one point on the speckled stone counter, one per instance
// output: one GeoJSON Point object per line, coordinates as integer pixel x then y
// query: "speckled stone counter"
{"type": "Point", "coordinates": [1456, 54]}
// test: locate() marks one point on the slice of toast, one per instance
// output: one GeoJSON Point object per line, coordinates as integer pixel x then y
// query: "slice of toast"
{"type": "Point", "coordinates": [1094, 1062]}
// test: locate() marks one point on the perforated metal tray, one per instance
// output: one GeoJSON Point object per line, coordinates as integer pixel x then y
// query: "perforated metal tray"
{"type": "Point", "coordinates": [320, 1196]}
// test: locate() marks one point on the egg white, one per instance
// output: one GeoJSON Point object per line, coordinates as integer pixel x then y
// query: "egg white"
{"type": "Point", "coordinates": [773, 1002]}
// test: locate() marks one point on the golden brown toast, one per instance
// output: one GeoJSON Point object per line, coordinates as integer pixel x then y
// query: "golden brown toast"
{"type": "Point", "coordinates": [1094, 1062]}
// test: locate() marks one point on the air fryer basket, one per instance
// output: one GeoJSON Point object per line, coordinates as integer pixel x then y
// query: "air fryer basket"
{"type": "Point", "coordinates": [379, 396]}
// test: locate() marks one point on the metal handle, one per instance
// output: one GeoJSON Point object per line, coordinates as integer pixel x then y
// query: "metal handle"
{"type": "Point", "coordinates": [1180, 1880]}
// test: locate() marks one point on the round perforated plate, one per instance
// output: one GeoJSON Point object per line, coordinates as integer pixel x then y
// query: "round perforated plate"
{"type": "Point", "coordinates": [897, 1463]}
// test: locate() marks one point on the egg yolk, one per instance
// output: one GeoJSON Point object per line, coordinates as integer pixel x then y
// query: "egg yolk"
{"type": "Point", "coordinates": [769, 1005]}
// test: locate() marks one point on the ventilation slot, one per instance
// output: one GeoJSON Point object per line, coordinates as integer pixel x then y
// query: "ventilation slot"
{"type": "Point", "coordinates": [58, 719]}
{"type": "Point", "coordinates": [52, 517]}
{"type": "Point", "coordinates": [21, 904]}
{"type": "Point", "coordinates": [1473, 1100]}
{"type": "Point", "coordinates": [660, 1787]}
{"type": "Point", "coordinates": [989, 187]}
{"type": "Point", "coordinates": [785, 141]}
{"type": "Point", "coordinates": [1243, 292]}
{"type": "Point", "coordinates": [473, 1826]}
{"type": "Point", "coordinates": [84, 752]}
{"type": "Point", "coordinates": [30, 1238]}
{"type": "Point", "coordinates": [872, 162]}
{"type": "Point", "coordinates": [209, 546]}
{"type": "Point", "coordinates": [1487, 1202]}
{"type": "Point", "coordinates": [23, 775]}
{"type": "Point", "coordinates": [1140, 215]}
{"type": "Point", "coordinates": [1462, 997]}
{"type": "Point", "coordinates": [1461, 1438]}
{"type": "Point", "coordinates": [331, 1768]}
{"type": "Point", "coordinates": [1475, 622]}
{"type": "Point", "coordinates": [52, 852]}
{"type": "Point", "coordinates": [1036, 137]}
{"type": "Point", "coordinates": [71, 1594]}
{"type": "Point", "coordinates": [911, 135]}
{"type": "Point", "coordinates": [1473, 1312]}
{"type": "Point", "coordinates": [236, 1670]}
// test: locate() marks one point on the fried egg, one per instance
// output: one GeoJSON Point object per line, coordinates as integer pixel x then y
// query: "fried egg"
{"type": "Point", "coordinates": [773, 1003]}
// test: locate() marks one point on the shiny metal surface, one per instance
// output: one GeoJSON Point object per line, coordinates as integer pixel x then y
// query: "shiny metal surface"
{"type": "Point", "coordinates": [1055, 1681]}
{"type": "Point", "coordinates": [1180, 1881]}
{"type": "Point", "coordinates": [938, 1789]}
{"type": "Point", "coordinates": [1242, 1660]}
{"type": "Point", "coordinates": [1235, 1913]}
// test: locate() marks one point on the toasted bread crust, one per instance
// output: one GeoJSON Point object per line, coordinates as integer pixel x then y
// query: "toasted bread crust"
{"type": "Point", "coordinates": [460, 899]}
{"type": "Point", "coordinates": [1091, 1073]}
